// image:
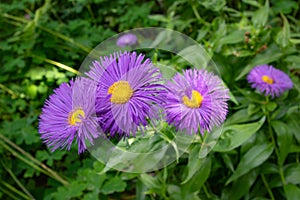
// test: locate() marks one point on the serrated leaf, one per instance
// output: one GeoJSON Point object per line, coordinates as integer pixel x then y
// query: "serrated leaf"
{"type": "Point", "coordinates": [115, 184]}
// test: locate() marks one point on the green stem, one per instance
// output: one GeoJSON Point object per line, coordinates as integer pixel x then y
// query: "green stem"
{"type": "Point", "coordinates": [206, 191]}
{"type": "Point", "coordinates": [14, 153]}
{"type": "Point", "coordinates": [9, 194]}
{"type": "Point", "coordinates": [17, 181]}
{"type": "Point", "coordinates": [44, 169]}
{"type": "Point", "coordinates": [91, 13]}
{"type": "Point", "coordinates": [63, 37]}
{"type": "Point", "coordinates": [18, 19]}
{"type": "Point", "coordinates": [58, 64]}
{"type": "Point", "coordinates": [281, 173]}
{"type": "Point", "coordinates": [12, 188]}
{"type": "Point", "coordinates": [6, 89]}
{"type": "Point", "coordinates": [267, 186]}
{"type": "Point", "coordinates": [196, 13]}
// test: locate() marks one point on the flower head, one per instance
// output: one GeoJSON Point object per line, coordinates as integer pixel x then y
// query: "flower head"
{"type": "Point", "coordinates": [128, 92]}
{"type": "Point", "coordinates": [196, 101]}
{"type": "Point", "coordinates": [127, 40]}
{"type": "Point", "coordinates": [269, 80]}
{"type": "Point", "coordinates": [69, 114]}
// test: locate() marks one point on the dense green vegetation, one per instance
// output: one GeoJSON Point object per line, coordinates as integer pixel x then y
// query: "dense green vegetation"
{"type": "Point", "coordinates": [43, 43]}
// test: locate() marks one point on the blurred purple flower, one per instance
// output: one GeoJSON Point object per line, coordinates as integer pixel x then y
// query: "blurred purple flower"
{"type": "Point", "coordinates": [196, 101]}
{"type": "Point", "coordinates": [128, 93]}
{"type": "Point", "coordinates": [127, 40]}
{"type": "Point", "coordinates": [69, 114]}
{"type": "Point", "coordinates": [27, 16]}
{"type": "Point", "coordinates": [269, 80]}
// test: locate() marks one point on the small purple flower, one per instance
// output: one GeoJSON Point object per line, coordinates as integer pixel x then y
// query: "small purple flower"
{"type": "Point", "coordinates": [127, 40]}
{"type": "Point", "coordinates": [128, 93]}
{"type": "Point", "coordinates": [196, 101]}
{"type": "Point", "coordinates": [69, 114]}
{"type": "Point", "coordinates": [269, 80]}
{"type": "Point", "coordinates": [27, 16]}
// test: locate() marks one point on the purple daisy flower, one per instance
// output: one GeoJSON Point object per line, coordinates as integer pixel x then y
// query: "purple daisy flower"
{"type": "Point", "coordinates": [69, 114]}
{"type": "Point", "coordinates": [269, 80]}
{"type": "Point", "coordinates": [196, 101]}
{"type": "Point", "coordinates": [128, 93]}
{"type": "Point", "coordinates": [127, 40]}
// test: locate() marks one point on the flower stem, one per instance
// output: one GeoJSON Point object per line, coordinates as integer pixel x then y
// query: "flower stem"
{"type": "Point", "coordinates": [34, 162]}
{"type": "Point", "coordinates": [63, 37]}
{"type": "Point", "coordinates": [281, 173]}
{"type": "Point", "coordinates": [206, 191]}
{"type": "Point", "coordinates": [267, 186]}
{"type": "Point", "coordinates": [12, 188]}
{"type": "Point", "coordinates": [17, 181]}
{"type": "Point", "coordinates": [58, 64]}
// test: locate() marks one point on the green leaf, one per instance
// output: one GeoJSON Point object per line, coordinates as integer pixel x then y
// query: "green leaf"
{"type": "Point", "coordinates": [236, 191]}
{"type": "Point", "coordinates": [91, 195]}
{"type": "Point", "coordinates": [227, 160]}
{"type": "Point", "coordinates": [284, 6]}
{"type": "Point", "coordinates": [209, 141]}
{"type": "Point", "coordinates": [283, 35]}
{"type": "Point", "coordinates": [214, 5]}
{"type": "Point", "coordinates": [115, 184]}
{"type": "Point", "coordinates": [235, 135]}
{"type": "Point", "coordinates": [260, 17]}
{"type": "Point", "coordinates": [195, 55]}
{"type": "Point", "coordinates": [233, 37]}
{"type": "Point", "coordinates": [284, 139]}
{"type": "Point", "coordinates": [252, 3]}
{"type": "Point", "coordinates": [292, 173]}
{"type": "Point", "coordinates": [194, 162]}
{"type": "Point", "coordinates": [270, 55]}
{"type": "Point", "coordinates": [160, 18]}
{"type": "Point", "coordinates": [292, 192]}
{"type": "Point", "coordinates": [195, 182]}
{"type": "Point", "coordinates": [293, 124]}
{"type": "Point", "coordinates": [140, 190]}
{"type": "Point", "coordinates": [241, 116]}
{"type": "Point", "coordinates": [150, 181]}
{"type": "Point", "coordinates": [254, 157]}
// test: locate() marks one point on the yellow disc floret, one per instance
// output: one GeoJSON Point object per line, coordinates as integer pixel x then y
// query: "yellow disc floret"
{"type": "Point", "coordinates": [75, 116]}
{"type": "Point", "coordinates": [267, 79]}
{"type": "Point", "coordinates": [120, 91]}
{"type": "Point", "coordinates": [195, 101]}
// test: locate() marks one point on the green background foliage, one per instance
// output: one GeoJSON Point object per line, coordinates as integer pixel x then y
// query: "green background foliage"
{"type": "Point", "coordinates": [257, 155]}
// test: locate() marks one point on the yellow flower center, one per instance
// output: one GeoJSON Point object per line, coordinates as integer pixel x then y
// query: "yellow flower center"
{"type": "Point", "coordinates": [120, 91]}
{"type": "Point", "coordinates": [75, 116]}
{"type": "Point", "coordinates": [267, 79]}
{"type": "Point", "coordinates": [195, 101]}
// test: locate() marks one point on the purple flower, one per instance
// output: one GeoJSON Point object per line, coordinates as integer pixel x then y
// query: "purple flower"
{"type": "Point", "coordinates": [127, 40]}
{"type": "Point", "coordinates": [196, 101]}
{"type": "Point", "coordinates": [269, 80]}
{"type": "Point", "coordinates": [128, 93]}
{"type": "Point", "coordinates": [69, 114]}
